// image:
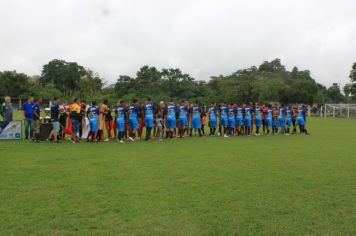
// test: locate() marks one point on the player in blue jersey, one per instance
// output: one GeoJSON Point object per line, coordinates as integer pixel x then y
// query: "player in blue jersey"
{"type": "Point", "coordinates": [223, 119]}
{"type": "Point", "coordinates": [120, 114]}
{"type": "Point", "coordinates": [275, 120]}
{"type": "Point", "coordinates": [301, 120]}
{"type": "Point", "coordinates": [148, 112]}
{"type": "Point", "coordinates": [231, 119]}
{"type": "Point", "coordinates": [213, 117]}
{"type": "Point", "coordinates": [239, 119]}
{"type": "Point", "coordinates": [305, 118]}
{"type": "Point", "coordinates": [170, 115]}
{"type": "Point", "coordinates": [281, 119]}
{"type": "Point", "coordinates": [247, 119]}
{"type": "Point", "coordinates": [182, 118]}
{"type": "Point", "coordinates": [269, 118]}
{"type": "Point", "coordinates": [289, 116]}
{"type": "Point", "coordinates": [195, 124]}
{"type": "Point", "coordinates": [92, 114]}
{"type": "Point", "coordinates": [133, 111]}
{"type": "Point", "coordinates": [257, 114]}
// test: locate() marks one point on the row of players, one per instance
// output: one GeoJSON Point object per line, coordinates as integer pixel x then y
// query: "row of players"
{"type": "Point", "coordinates": [229, 119]}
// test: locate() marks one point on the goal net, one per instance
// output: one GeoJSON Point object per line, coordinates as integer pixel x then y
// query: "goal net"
{"type": "Point", "coordinates": [340, 110]}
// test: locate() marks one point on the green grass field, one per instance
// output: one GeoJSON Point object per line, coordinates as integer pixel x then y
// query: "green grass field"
{"type": "Point", "coordinates": [268, 185]}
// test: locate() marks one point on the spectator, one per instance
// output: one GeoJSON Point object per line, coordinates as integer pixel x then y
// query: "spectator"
{"type": "Point", "coordinates": [75, 115]}
{"type": "Point", "coordinates": [54, 118]}
{"type": "Point", "coordinates": [6, 112]}
{"type": "Point", "coordinates": [36, 120]}
{"type": "Point", "coordinates": [27, 109]}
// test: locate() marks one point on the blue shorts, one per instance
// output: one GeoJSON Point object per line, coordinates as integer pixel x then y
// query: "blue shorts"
{"type": "Point", "coordinates": [247, 121]}
{"type": "Point", "coordinates": [300, 121]}
{"type": "Point", "coordinates": [223, 121]}
{"type": "Point", "coordinates": [269, 121]}
{"type": "Point", "coordinates": [149, 122]}
{"type": "Point", "coordinates": [171, 123]}
{"type": "Point", "coordinates": [120, 123]}
{"type": "Point", "coordinates": [258, 122]}
{"type": "Point", "coordinates": [93, 125]}
{"type": "Point", "coordinates": [183, 121]}
{"type": "Point", "coordinates": [133, 123]}
{"type": "Point", "coordinates": [288, 121]}
{"type": "Point", "coordinates": [56, 126]}
{"type": "Point", "coordinates": [231, 122]}
{"type": "Point", "coordinates": [213, 122]}
{"type": "Point", "coordinates": [195, 123]}
{"type": "Point", "coordinates": [281, 121]}
{"type": "Point", "coordinates": [239, 121]}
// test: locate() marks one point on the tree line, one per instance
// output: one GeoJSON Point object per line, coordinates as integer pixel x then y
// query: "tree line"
{"type": "Point", "coordinates": [268, 82]}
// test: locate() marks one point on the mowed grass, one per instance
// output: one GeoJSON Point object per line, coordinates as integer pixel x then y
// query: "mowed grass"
{"type": "Point", "coordinates": [268, 185]}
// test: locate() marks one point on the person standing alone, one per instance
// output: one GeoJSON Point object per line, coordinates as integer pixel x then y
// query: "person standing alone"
{"type": "Point", "coordinates": [6, 112]}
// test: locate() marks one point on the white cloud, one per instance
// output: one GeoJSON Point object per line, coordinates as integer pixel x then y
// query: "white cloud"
{"type": "Point", "coordinates": [202, 37]}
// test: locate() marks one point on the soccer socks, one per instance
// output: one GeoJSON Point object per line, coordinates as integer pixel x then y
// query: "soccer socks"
{"type": "Point", "coordinates": [148, 133]}
{"type": "Point", "coordinates": [121, 135]}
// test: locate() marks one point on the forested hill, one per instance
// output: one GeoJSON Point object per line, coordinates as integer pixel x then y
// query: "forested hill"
{"type": "Point", "coordinates": [267, 82]}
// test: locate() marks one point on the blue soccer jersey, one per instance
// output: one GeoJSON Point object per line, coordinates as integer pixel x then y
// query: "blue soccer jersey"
{"type": "Point", "coordinates": [120, 112]}
{"type": "Point", "coordinates": [257, 112]}
{"type": "Point", "coordinates": [258, 116]}
{"type": "Point", "coordinates": [300, 117]}
{"type": "Point", "coordinates": [170, 111]}
{"type": "Point", "coordinates": [282, 112]}
{"type": "Point", "coordinates": [182, 115]}
{"type": "Point", "coordinates": [149, 110]}
{"type": "Point", "coordinates": [269, 116]}
{"type": "Point", "coordinates": [223, 111]}
{"type": "Point", "coordinates": [223, 115]}
{"type": "Point", "coordinates": [195, 113]}
{"type": "Point", "coordinates": [289, 115]}
{"type": "Point", "coordinates": [281, 117]}
{"type": "Point", "coordinates": [93, 112]}
{"type": "Point", "coordinates": [133, 114]}
{"type": "Point", "coordinates": [182, 112]}
{"type": "Point", "coordinates": [120, 118]}
{"type": "Point", "coordinates": [213, 112]}
{"type": "Point", "coordinates": [247, 112]}
{"type": "Point", "coordinates": [231, 117]}
{"type": "Point", "coordinates": [239, 116]}
{"type": "Point", "coordinates": [133, 111]}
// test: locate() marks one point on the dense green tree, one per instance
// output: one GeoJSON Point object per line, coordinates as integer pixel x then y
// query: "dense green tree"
{"type": "Point", "coordinates": [14, 84]}
{"type": "Point", "coordinates": [90, 85]}
{"type": "Point", "coordinates": [64, 76]}
{"type": "Point", "coordinates": [334, 93]}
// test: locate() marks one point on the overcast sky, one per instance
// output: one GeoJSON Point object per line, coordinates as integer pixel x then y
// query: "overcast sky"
{"type": "Point", "coordinates": [202, 37]}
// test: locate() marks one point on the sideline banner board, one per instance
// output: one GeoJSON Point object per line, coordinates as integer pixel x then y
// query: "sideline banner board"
{"type": "Point", "coordinates": [11, 130]}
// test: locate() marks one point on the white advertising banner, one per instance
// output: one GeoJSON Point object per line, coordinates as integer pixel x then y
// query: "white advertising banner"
{"type": "Point", "coordinates": [11, 130]}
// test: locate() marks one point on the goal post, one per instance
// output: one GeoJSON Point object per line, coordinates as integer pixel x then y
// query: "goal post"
{"type": "Point", "coordinates": [340, 110]}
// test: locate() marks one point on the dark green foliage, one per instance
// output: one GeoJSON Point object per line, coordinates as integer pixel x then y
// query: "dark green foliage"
{"type": "Point", "coordinates": [269, 82]}
{"type": "Point", "coordinates": [14, 84]}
